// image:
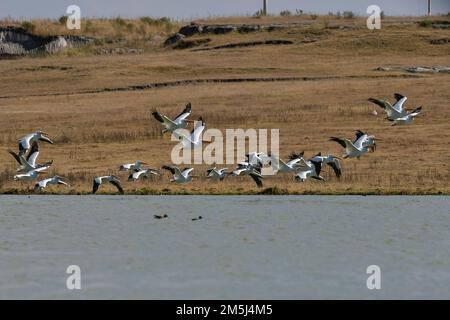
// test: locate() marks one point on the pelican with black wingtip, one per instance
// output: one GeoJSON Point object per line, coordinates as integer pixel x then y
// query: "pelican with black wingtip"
{"type": "Point", "coordinates": [111, 179]}
{"type": "Point", "coordinates": [29, 163]}
{"type": "Point", "coordinates": [144, 173]}
{"type": "Point", "coordinates": [56, 180]}
{"type": "Point", "coordinates": [26, 142]}
{"type": "Point", "coordinates": [179, 122]}
{"type": "Point", "coordinates": [179, 176]}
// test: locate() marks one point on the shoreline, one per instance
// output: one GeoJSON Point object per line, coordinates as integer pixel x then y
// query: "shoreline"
{"type": "Point", "coordinates": [263, 192]}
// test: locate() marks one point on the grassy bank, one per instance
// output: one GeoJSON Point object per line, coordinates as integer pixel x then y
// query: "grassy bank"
{"type": "Point", "coordinates": [96, 129]}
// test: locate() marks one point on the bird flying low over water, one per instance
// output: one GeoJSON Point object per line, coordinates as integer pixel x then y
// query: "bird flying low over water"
{"type": "Point", "coordinates": [406, 119]}
{"type": "Point", "coordinates": [51, 181]}
{"type": "Point", "coordinates": [217, 174]}
{"type": "Point", "coordinates": [392, 111]}
{"type": "Point", "coordinates": [194, 140]}
{"type": "Point", "coordinates": [26, 142]}
{"type": "Point", "coordinates": [353, 149]}
{"type": "Point", "coordinates": [30, 175]}
{"type": "Point", "coordinates": [178, 175]}
{"type": "Point", "coordinates": [333, 161]}
{"type": "Point", "coordinates": [112, 179]}
{"type": "Point", "coordinates": [29, 163]}
{"type": "Point", "coordinates": [254, 171]}
{"type": "Point", "coordinates": [132, 166]}
{"type": "Point", "coordinates": [291, 166]}
{"type": "Point", "coordinates": [179, 122]}
{"type": "Point", "coordinates": [145, 173]}
{"type": "Point", "coordinates": [313, 171]}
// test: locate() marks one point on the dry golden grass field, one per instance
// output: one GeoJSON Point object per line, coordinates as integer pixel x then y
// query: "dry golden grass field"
{"type": "Point", "coordinates": [332, 73]}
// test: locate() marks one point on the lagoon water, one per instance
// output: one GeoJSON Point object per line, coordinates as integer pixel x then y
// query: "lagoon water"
{"type": "Point", "coordinates": [245, 247]}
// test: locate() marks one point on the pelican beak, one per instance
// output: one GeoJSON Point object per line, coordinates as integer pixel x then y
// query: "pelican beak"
{"type": "Point", "coordinates": [144, 163]}
{"type": "Point", "coordinates": [379, 139]}
{"type": "Point", "coordinates": [339, 158]}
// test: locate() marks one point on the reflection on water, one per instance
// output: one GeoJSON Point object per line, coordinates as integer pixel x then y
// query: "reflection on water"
{"type": "Point", "coordinates": [244, 247]}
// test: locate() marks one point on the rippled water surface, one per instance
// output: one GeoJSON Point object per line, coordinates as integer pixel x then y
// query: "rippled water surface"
{"type": "Point", "coordinates": [280, 247]}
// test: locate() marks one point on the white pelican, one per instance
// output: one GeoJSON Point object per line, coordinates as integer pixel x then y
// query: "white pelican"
{"type": "Point", "coordinates": [353, 149]}
{"type": "Point", "coordinates": [258, 159]}
{"type": "Point", "coordinates": [30, 175]}
{"type": "Point", "coordinates": [313, 172]}
{"type": "Point", "coordinates": [332, 161]}
{"type": "Point", "coordinates": [132, 166]}
{"type": "Point", "coordinates": [25, 142]}
{"type": "Point", "coordinates": [291, 166]}
{"type": "Point", "coordinates": [248, 169]}
{"type": "Point", "coordinates": [54, 180]}
{"type": "Point", "coordinates": [194, 139]}
{"type": "Point", "coordinates": [29, 163]}
{"type": "Point", "coordinates": [407, 119]}
{"type": "Point", "coordinates": [142, 173]}
{"type": "Point", "coordinates": [217, 174]}
{"type": "Point", "coordinates": [178, 175]}
{"type": "Point", "coordinates": [367, 141]}
{"type": "Point", "coordinates": [112, 179]}
{"type": "Point", "coordinates": [392, 111]}
{"type": "Point", "coordinates": [179, 122]}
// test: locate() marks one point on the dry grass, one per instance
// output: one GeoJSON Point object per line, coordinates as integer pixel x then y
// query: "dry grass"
{"type": "Point", "coordinates": [96, 132]}
{"type": "Point", "coordinates": [139, 33]}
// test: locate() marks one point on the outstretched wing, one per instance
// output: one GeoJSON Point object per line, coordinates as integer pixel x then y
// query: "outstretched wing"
{"type": "Point", "coordinates": [163, 119]}
{"type": "Point", "coordinates": [33, 154]}
{"type": "Point", "coordinates": [295, 155]}
{"type": "Point", "coordinates": [416, 112]}
{"type": "Point", "coordinates": [171, 169]}
{"type": "Point", "coordinates": [342, 142]}
{"type": "Point", "coordinates": [196, 133]}
{"type": "Point", "coordinates": [383, 104]}
{"type": "Point", "coordinates": [398, 106]}
{"type": "Point", "coordinates": [16, 156]}
{"type": "Point", "coordinates": [317, 166]}
{"type": "Point", "coordinates": [184, 114]}
{"type": "Point", "coordinates": [257, 178]}
{"type": "Point", "coordinates": [347, 144]}
{"type": "Point", "coordinates": [186, 172]}
{"type": "Point", "coordinates": [135, 175]}
{"type": "Point", "coordinates": [336, 165]}
{"type": "Point", "coordinates": [358, 135]}
{"type": "Point", "coordinates": [117, 184]}
{"type": "Point", "coordinates": [95, 186]}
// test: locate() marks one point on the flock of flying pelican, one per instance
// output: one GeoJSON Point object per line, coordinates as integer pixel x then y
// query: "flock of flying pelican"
{"type": "Point", "coordinates": [29, 169]}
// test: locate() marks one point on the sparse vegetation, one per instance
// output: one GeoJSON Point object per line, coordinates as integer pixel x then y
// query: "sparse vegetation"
{"type": "Point", "coordinates": [28, 26]}
{"type": "Point", "coordinates": [349, 15]}
{"type": "Point", "coordinates": [63, 20]}
{"type": "Point", "coordinates": [425, 23]}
